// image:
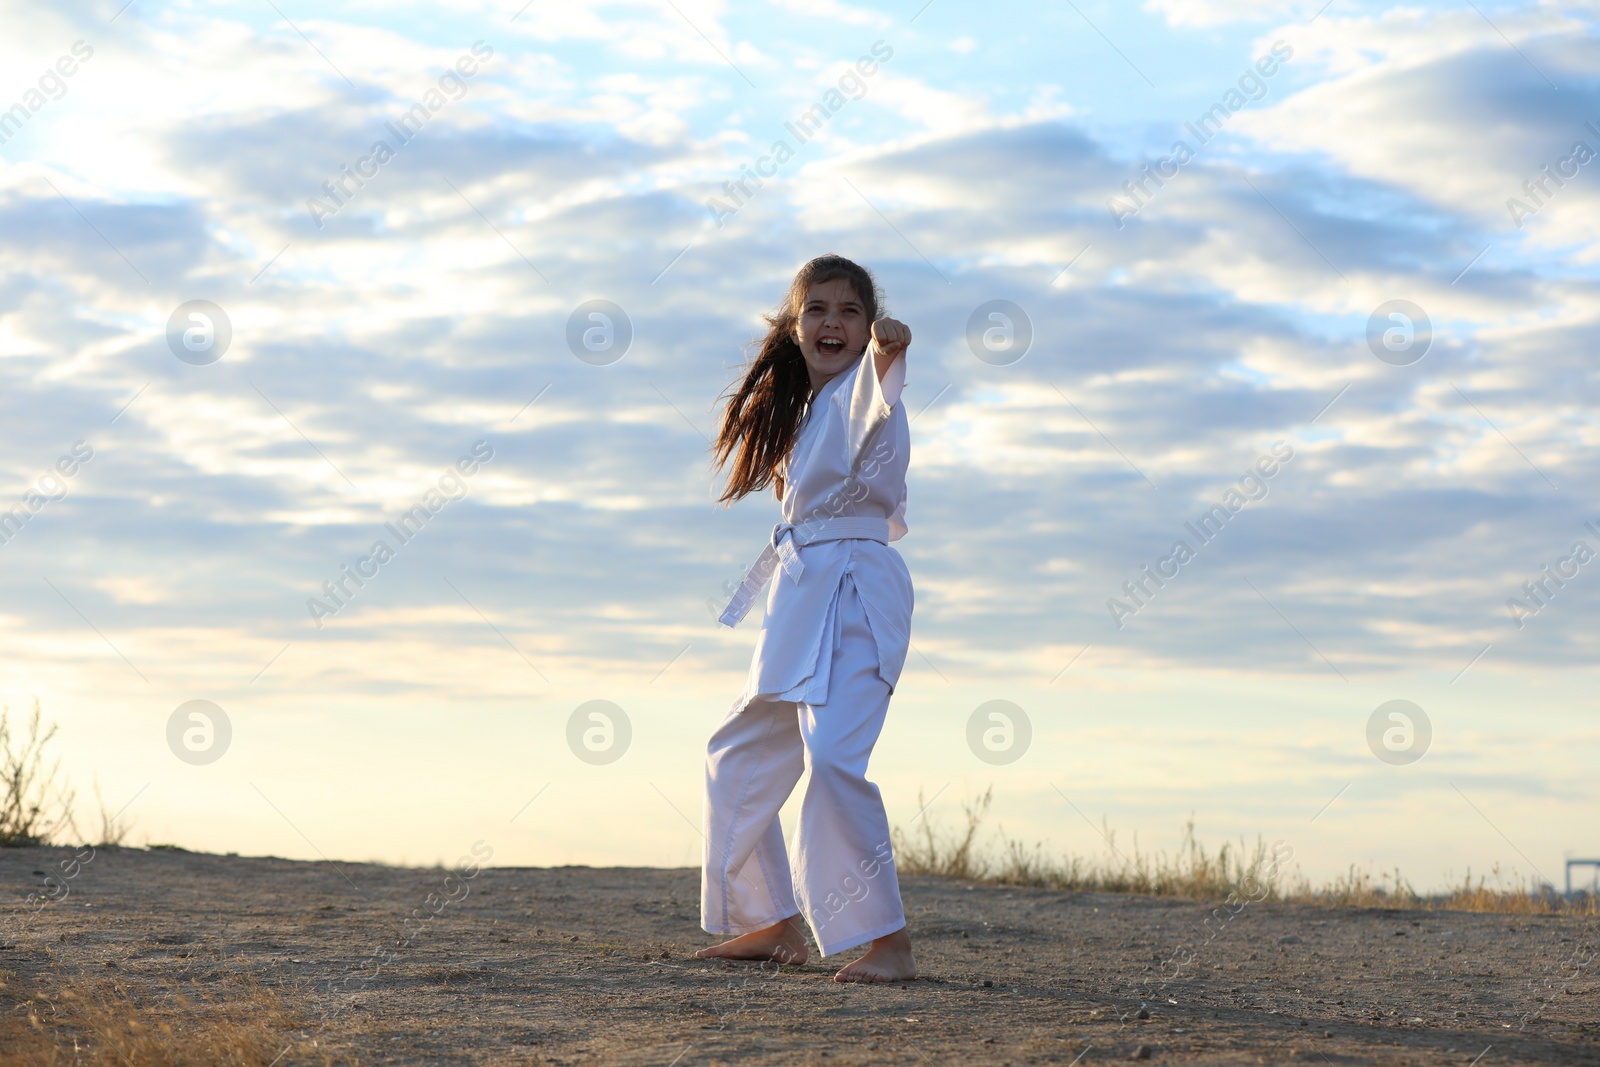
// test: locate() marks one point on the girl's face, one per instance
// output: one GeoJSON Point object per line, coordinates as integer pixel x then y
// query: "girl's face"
{"type": "Point", "coordinates": [832, 330]}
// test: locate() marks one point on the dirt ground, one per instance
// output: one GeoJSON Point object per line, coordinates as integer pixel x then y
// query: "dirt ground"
{"type": "Point", "coordinates": [579, 965]}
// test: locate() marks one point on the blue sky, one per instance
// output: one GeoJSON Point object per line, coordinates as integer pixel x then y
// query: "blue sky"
{"type": "Point", "coordinates": [1172, 348]}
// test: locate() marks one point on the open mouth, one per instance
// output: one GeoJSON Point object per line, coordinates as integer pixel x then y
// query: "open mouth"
{"type": "Point", "coordinates": [830, 346]}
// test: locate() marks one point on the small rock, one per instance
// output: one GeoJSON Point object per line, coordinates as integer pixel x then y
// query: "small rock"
{"type": "Point", "coordinates": [1141, 1053]}
{"type": "Point", "coordinates": [988, 983]}
{"type": "Point", "coordinates": [1143, 1013]}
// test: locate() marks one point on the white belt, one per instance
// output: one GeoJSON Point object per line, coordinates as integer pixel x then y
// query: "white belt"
{"type": "Point", "coordinates": [781, 549]}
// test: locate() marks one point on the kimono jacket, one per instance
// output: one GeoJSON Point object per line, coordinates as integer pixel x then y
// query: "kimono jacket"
{"type": "Point", "coordinates": [844, 501]}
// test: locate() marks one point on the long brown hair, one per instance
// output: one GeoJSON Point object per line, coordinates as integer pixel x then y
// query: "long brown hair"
{"type": "Point", "coordinates": [763, 413]}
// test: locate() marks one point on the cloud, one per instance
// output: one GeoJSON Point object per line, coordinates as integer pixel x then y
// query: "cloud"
{"type": "Point", "coordinates": [833, 11]}
{"type": "Point", "coordinates": [1209, 13]}
{"type": "Point", "coordinates": [1460, 130]}
{"type": "Point", "coordinates": [1177, 351]}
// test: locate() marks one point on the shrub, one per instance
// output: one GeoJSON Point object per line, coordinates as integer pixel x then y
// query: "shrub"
{"type": "Point", "coordinates": [35, 802]}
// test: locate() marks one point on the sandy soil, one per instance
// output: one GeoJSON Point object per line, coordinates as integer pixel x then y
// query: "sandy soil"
{"type": "Point", "coordinates": [579, 965]}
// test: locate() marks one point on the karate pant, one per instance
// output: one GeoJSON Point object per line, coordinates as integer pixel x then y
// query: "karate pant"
{"type": "Point", "coordinates": [847, 884]}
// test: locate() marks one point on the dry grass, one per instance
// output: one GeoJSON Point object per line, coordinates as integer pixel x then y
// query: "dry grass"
{"type": "Point", "coordinates": [35, 801]}
{"type": "Point", "coordinates": [1192, 872]}
{"type": "Point", "coordinates": [1196, 873]}
{"type": "Point", "coordinates": [96, 1022]}
{"type": "Point", "coordinates": [1359, 889]}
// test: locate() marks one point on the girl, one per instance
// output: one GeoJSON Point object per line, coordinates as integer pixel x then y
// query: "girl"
{"type": "Point", "coordinates": [818, 417]}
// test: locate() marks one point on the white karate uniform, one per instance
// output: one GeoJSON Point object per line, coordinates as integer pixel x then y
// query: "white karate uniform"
{"type": "Point", "coordinates": [828, 658]}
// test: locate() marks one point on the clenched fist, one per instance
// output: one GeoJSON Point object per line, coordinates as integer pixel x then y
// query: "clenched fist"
{"type": "Point", "coordinates": [892, 337]}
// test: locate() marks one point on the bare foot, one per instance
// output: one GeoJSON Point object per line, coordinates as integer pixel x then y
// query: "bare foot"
{"type": "Point", "coordinates": [783, 942]}
{"type": "Point", "coordinates": [888, 960]}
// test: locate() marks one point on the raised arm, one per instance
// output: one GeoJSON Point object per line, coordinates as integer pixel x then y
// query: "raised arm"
{"type": "Point", "coordinates": [891, 338]}
{"type": "Point", "coordinates": [874, 395]}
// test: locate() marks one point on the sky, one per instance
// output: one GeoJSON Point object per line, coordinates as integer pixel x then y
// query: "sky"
{"type": "Point", "coordinates": [276, 274]}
